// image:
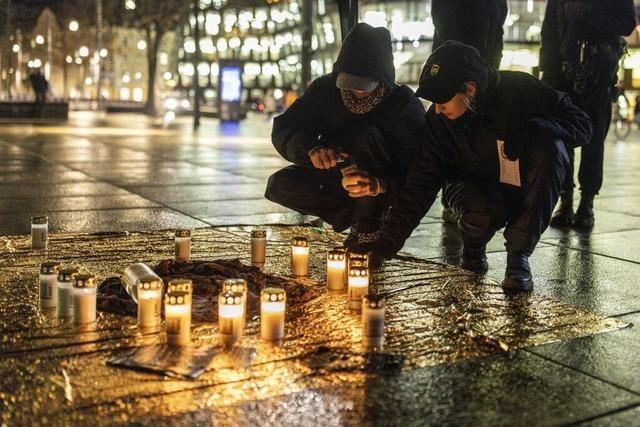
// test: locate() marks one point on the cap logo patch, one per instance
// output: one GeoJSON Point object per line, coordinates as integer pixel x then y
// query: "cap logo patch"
{"type": "Point", "coordinates": [434, 69]}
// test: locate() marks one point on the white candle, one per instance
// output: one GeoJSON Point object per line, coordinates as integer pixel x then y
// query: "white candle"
{"type": "Point", "coordinates": [183, 245]}
{"type": "Point", "coordinates": [133, 275]}
{"type": "Point", "coordinates": [177, 312]}
{"type": "Point", "coordinates": [258, 247]}
{"type": "Point", "coordinates": [39, 232]}
{"type": "Point", "coordinates": [230, 321]}
{"type": "Point", "coordinates": [373, 321]}
{"type": "Point", "coordinates": [84, 298]}
{"type": "Point", "coordinates": [300, 256]}
{"type": "Point", "coordinates": [358, 286]}
{"type": "Point", "coordinates": [335, 269]}
{"type": "Point", "coordinates": [273, 303]}
{"type": "Point", "coordinates": [149, 298]}
{"type": "Point", "coordinates": [240, 286]}
{"type": "Point", "coordinates": [49, 284]}
{"type": "Point", "coordinates": [65, 292]}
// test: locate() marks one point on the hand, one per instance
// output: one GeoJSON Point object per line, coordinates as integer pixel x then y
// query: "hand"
{"type": "Point", "coordinates": [325, 157]}
{"type": "Point", "coordinates": [361, 184]}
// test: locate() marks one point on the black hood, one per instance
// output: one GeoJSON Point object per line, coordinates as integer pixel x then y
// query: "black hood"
{"type": "Point", "coordinates": [366, 51]}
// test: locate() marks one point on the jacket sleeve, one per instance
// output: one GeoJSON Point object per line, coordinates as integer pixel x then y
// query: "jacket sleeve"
{"type": "Point", "coordinates": [550, 61]}
{"type": "Point", "coordinates": [615, 17]}
{"type": "Point", "coordinates": [295, 132]}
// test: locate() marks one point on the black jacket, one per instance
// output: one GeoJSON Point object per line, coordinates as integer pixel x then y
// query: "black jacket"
{"type": "Point", "coordinates": [477, 23]}
{"type": "Point", "coordinates": [320, 117]}
{"type": "Point", "coordinates": [569, 22]}
{"type": "Point", "coordinates": [517, 108]}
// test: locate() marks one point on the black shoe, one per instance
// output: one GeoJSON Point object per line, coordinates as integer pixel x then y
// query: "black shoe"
{"type": "Point", "coordinates": [584, 215]}
{"type": "Point", "coordinates": [563, 216]}
{"type": "Point", "coordinates": [475, 259]}
{"type": "Point", "coordinates": [518, 274]}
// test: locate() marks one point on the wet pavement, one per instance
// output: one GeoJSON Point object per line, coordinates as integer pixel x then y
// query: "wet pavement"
{"type": "Point", "coordinates": [117, 173]}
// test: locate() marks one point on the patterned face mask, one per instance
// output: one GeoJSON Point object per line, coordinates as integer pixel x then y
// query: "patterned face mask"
{"type": "Point", "coordinates": [362, 105]}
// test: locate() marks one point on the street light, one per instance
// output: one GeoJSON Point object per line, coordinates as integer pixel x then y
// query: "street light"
{"type": "Point", "coordinates": [39, 39]}
{"type": "Point", "coordinates": [129, 4]}
{"type": "Point", "coordinates": [73, 25]}
{"type": "Point", "coordinates": [84, 51]}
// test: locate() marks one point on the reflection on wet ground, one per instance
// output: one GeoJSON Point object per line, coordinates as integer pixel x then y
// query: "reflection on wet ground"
{"type": "Point", "coordinates": [436, 314]}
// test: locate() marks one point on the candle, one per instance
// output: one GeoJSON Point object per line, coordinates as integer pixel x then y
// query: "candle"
{"type": "Point", "coordinates": [373, 321]}
{"type": "Point", "coordinates": [273, 302]}
{"type": "Point", "coordinates": [183, 245]}
{"type": "Point", "coordinates": [49, 284]}
{"type": "Point", "coordinates": [240, 286]}
{"type": "Point", "coordinates": [300, 256]}
{"type": "Point", "coordinates": [358, 286]}
{"type": "Point", "coordinates": [84, 298]}
{"type": "Point", "coordinates": [258, 247]}
{"type": "Point", "coordinates": [39, 232]}
{"type": "Point", "coordinates": [335, 269]}
{"type": "Point", "coordinates": [181, 285]}
{"type": "Point", "coordinates": [177, 313]}
{"type": "Point", "coordinates": [149, 298]}
{"type": "Point", "coordinates": [65, 295]}
{"type": "Point", "coordinates": [133, 275]}
{"type": "Point", "coordinates": [230, 321]}
{"type": "Point", "coordinates": [357, 259]}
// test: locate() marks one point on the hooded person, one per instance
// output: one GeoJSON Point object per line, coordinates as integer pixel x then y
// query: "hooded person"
{"type": "Point", "coordinates": [351, 137]}
{"type": "Point", "coordinates": [498, 139]}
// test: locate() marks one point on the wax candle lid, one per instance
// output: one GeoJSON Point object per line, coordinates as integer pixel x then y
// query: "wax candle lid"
{"type": "Point", "coordinates": [84, 280]}
{"type": "Point", "coordinates": [183, 233]}
{"type": "Point", "coordinates": [358, 263]}
{"type": "Point", "coordinates": [373, 301]}
{"type": "Point", "coordinates": [300, 241]}
{"type": "Point", "coordinates": [234, 285]}
{"type": "Point", "coordinates": [358, 255]}
{"type": "Point", "coordinates": [258, 234]}
{"type": "Point", "coordinates": [150, 282]}
{"type": "Point", "coordinates": [67, 274]}
{"type": "Point", "coordinates": [180, 285]}
{"type": "Point", "coordinates": [230, 298]}
{"type": "Point", "coordinates": [273, 295]}
{"type": "Point", "coordinates": [358, 271]}
{"type": "Point", "coordinates": [335, 255]}
{"type": "Point", "coordinates": [341, 249]}
{"type": "Point", "coordinates": [177, 298]}
{"type": "Point", "coordinates": [49, 267]}
{"type": "Point", "coordinates": [39, 220]}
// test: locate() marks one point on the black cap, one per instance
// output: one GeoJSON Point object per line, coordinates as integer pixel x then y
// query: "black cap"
{"type": "Point", "coordinates": [448, 68]}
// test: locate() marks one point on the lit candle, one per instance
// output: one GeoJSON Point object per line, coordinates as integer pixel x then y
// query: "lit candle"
{"type": "Point", "coordinates": [357, 259]}
{"type": "Point", "coordinates": [240, 286]}
{"type": "Point", "coordinates": [258, 247]}
{"type": "Point", "coordinates": [183, 245]}
{"type": "Point", "coordinates": [177, 313]}
{"type": "Point", "coordinates": [133, 275]}
{"type": "Point", "coordinates": [230, 321]}
{"type": "Point", "coordinates": [65, 292]}
{"type": "Point", "coordinates": [39, 232]}
{"type": "Point", "coordinates": [273, 303]}
{"type": "Point", "coordinates": [84, 298]}
{"type": "Point", "coordinates": [335, 269]}
{"type": "Point", "coordinates": [373, 321]}
{"type": "Point", "coordinates": [300, 256]}
{"type": "Point", "coordinates": [358, 286]}
{"type": "Point", "coordinates": [181, 285]}
{"type": "Point", "coordinates": [49, 284]}
{"type": "Point", "coordinates": [149, 298]}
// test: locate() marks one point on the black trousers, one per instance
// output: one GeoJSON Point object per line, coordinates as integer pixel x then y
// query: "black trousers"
{"type": "Point", "coordinates": [484, 208]}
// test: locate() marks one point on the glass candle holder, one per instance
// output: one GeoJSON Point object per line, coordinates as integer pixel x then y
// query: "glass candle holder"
{"type": "Point", "coordinates": [230, 320]}
{"type": "Point", "coordinates": [300, 256]}
{"type": "Point", "coordinates": [273, 303]}
{"type": "Point", "coordinates": [258, 247]}
{"type": "Point", "coordinates": [65, 292]}
{"type": "Point", "coordinates": [358, 286]}
{"type": "Point", "coordinates": [49, 284]}
{"type": "Point", "coordinates": [373, 321]}
{"type": "Point", "coordinates": [133, 275]}
{"type": "Point", "coordinates": [183, 245]}
{"type": "Point", "coordinates": [336, 265]}
{"type": "Point", "coordinates": [39, 232]}
{"type": "Point", "coordinates": [149, 299]}
{"type": "Point", "coordinates": [177, 313]}
{"type": "Point", "coordinates": [84, 298]}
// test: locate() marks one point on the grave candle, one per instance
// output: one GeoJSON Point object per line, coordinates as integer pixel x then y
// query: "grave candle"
{"type": "Point", "coordinates": [177, 312]}
{"type": "Point", "coordinates": [132, 276]}
{"type": "Point", "coordinates": [357, 259]}
{"type": "Point", "coordinates": [49, 284]}
{"type": "Point", "coordinates": [258, 247]}
{"type": "Point", "coordinates": [273, 302]}
{"type": "Point", "coordinates": [149, 298]}
{"type": "Point", "coordinates": [183, 245]}
{"type": "Point", "coordinates": [240, 286]}
{"type": "Point", "coordinates": [300, 256]}
{"type": "Point", "coordinates": [230, 322]}
{"type": "Point", "coordinates": [181, 285]}
{"type": "Point", "coordinates": [84, 298]}
{"type": "Point", "coordinates": [39, 232]}
{"type": "Point", "coordinates": [335, 269]}
{"type": "Point", "coordinates": [65, 295]}
{"type": "Point", "coordinates": [358, 286]}
{"type": "Point", "coordinates": [373, 321]}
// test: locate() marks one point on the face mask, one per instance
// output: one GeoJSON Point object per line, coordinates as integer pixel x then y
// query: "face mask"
{"type": "Point", "coordinates": [362, 105]}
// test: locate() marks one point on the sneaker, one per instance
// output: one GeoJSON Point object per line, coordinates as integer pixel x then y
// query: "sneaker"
{"type": "Point", "coordinates": [475, 259]}
{"type": "Point", "coordinates": [584, 215]}
{"type": "Point", "coordinates": [518, 274]}
{"type": "Point", "coordinates": [563, 216]}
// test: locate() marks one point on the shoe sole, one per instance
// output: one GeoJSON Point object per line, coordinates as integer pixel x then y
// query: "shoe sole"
{"type": "Point", "coordinates": [517, 286]}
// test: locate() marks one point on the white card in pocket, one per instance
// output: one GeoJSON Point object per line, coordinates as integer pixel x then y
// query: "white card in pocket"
{"type": "Point", "coordinates": [509, 169]}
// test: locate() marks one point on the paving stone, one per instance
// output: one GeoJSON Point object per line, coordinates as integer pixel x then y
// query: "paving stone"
{"type": "Point", "coordinates": [623, 418]}
{"type": "Point", "coordinates": [73, 203]}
